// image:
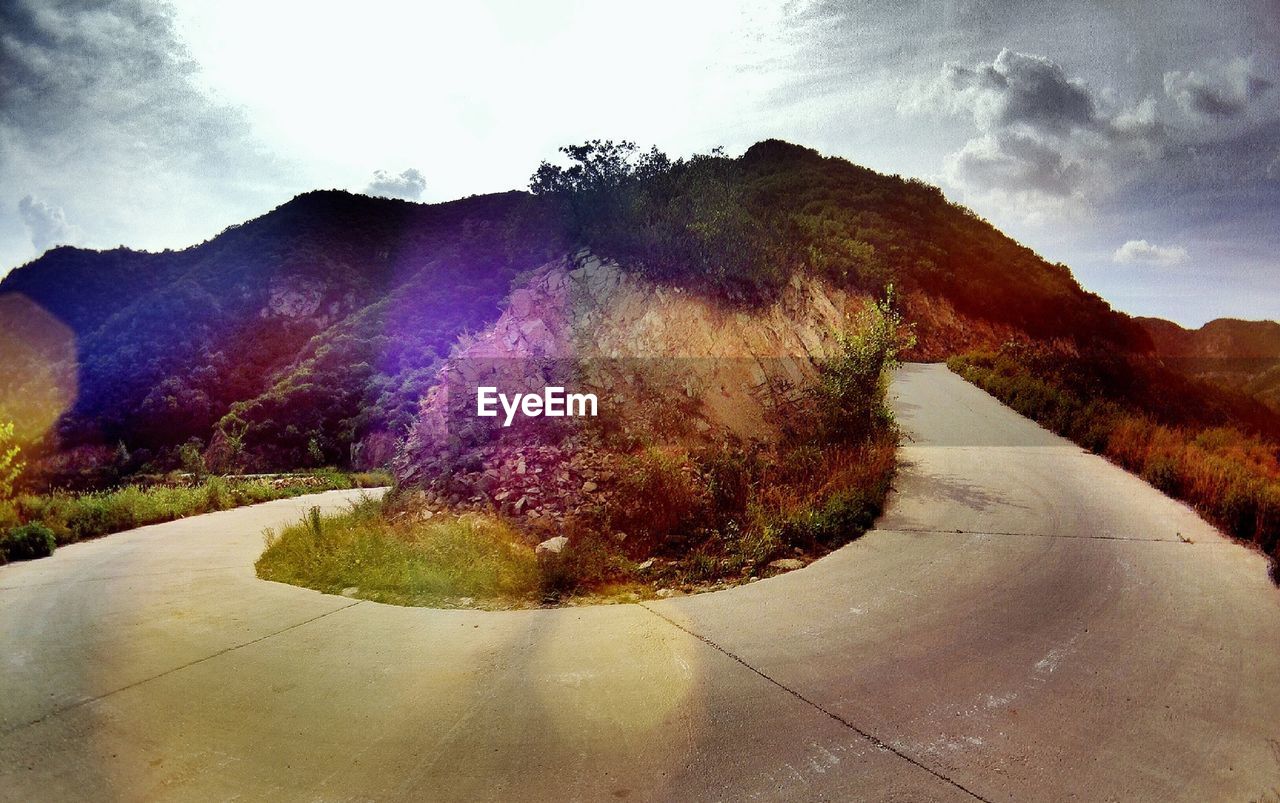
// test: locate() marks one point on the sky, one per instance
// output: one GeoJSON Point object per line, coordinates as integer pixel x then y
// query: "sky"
{"type": "Point", "coordinates": [1136, 142]}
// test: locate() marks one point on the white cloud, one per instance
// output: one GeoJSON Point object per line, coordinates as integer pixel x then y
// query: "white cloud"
{"type": "Point", "coordinates": [1141, 252]}
{"type": "Point", "coordinates": [409, 185]}
{"type": "Point", "coordinates": [1017, 88]}
{"type": "Point", "coordinates": [46, 225]}
{"type": "Point", "coordinates": [103, 109]}
{"type": "Point", "coordinates": [1221, 90]}
{"type": "Point", "coordinates": [1046, 144]}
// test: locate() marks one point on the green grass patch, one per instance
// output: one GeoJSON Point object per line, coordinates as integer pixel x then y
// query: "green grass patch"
{"type": "Point", "coordinates": [75, 517]}
{"type": "Point", "coordinates": [404, 561]}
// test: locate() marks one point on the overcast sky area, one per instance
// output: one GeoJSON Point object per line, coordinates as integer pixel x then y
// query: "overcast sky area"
{"type": "Point", "coordinates": [1139, 143]}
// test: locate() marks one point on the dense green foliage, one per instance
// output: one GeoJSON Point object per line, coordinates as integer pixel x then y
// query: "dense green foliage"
{"type": "Point", "coordinates": [1182, 437]}
{"type": "Point", "coordinates": [743, 226]}
{"type": "Point", "coordinates": [27, 542]}
{"type": "Point", "coordinates": [853, 383]}
{"type": "Point", "coordinates": [285, 340]}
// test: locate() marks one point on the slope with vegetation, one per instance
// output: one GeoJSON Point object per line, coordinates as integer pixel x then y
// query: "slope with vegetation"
{"type": "Point", "coordinates": [727, 482]}
{"type": "Point", "coordinates": [307, 336]}
{"type": "Point", "coordinates": [1218, 452]}
{"type": "Point", "coordinates": [285, 341]}
{"type": "Point", "coordinates": [687, 496]}
{"type": "Point", "coordinates": [1241, 356]}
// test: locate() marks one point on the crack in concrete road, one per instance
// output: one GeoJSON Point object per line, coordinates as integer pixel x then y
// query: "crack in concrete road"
{"type": "Point", "coordinates": [89, 700]}
{"type": "Point", "coordinates": [870, 737]}
{"type": "Point", "coordinates": [1075, 536]}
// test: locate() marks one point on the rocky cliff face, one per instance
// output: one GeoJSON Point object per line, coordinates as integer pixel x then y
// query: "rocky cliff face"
{"type": "Point", "coordinates": [667, 366]}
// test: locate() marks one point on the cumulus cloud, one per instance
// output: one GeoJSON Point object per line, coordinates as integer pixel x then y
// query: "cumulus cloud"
{"type": "Point", "coordinates": [47, 225]}
{"type": "Point", "coordinates": [408, 185]}
{"type": "Point", "coordinates": [1043, 138]}
{"type": "Point", "coordinates": [1011, 160]}
{"type": "Point", "coordinates": [1141, 252]}
{"type": "Point", "coordinates": [1045, 143]}
{"type": "Point", "coordinates": [1223, 90]}
{"type": "Point", "coordinates": [1017, 88]}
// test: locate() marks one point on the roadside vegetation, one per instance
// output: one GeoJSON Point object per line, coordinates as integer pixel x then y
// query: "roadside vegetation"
{"type": "Point", "coordinates": [443, 562]}
{"type": "Point", "coordinates": [28, 521]}
{"type": "Point", "coordinates": [675, 518]}
{"type": "Point", "coordinates": [1191, 442]}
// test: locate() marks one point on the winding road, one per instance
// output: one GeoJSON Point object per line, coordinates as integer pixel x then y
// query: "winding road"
{"type": "Point", "coordinates": [1027, 622]}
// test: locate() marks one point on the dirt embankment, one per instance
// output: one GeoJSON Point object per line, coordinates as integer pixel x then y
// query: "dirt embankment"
{"type": "Point", "coordinates": [668, 367]}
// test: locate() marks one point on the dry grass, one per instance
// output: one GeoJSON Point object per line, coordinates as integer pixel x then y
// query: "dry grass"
{"type": "Point", "coordinates": [1230, 477]}
{"type": "Point", "coordinates": [440, 562]}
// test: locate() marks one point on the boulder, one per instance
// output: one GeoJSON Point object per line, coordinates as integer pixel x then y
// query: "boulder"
{"type": "Point", "coordinates": [786, 564]}
{"type": "Point", "coordinates": [551, 546]}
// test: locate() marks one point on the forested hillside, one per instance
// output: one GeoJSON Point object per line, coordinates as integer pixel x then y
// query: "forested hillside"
{"type": "Point", "coordinates": [308, 336]}
{"type": "Point", "coordinates": [309, 321]}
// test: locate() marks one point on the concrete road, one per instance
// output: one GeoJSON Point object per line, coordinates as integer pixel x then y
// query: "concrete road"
{"type": "Point", "coordinates": [1027, 623]}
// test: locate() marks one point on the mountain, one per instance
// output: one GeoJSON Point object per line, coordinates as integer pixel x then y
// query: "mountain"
{"type": "Point", "coordinates": [288, 320]}
{"type": "Point", "coordinates": [1243, 356]}
{"type": "Point", "coordinates": [1223, 338]}
{"type": "Point", "coordinates": [311, 335]}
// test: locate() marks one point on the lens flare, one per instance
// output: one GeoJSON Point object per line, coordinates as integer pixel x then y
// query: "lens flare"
{"type": "Point", "coordinates": [37, 367]}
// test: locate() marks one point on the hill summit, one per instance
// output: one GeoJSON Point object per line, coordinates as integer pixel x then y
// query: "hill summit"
{"type": "Point", "coordinates": [311, 335]}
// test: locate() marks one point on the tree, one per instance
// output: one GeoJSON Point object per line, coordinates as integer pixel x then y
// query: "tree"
{"type": "Point", "coordinates": [599, 166]}
{"type": "Point", "coordinates": [686, 221]}
{"type": "Point", "coordinates": [599, 186]}
{"type": "Point", "coordinates": [10, 466]}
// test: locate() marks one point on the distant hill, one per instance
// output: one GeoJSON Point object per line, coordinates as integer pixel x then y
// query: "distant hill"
{"type": "Point", "coordinates": [1223, 338]}
{"type": "Point", "coordinates": [309, 335]}
{"type": "Point", "coordinates": [1240, 355]}
{"type": "Point", "coordinates": [321, 312]}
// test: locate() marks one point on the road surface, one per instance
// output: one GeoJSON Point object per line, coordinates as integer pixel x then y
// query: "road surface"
{"type": "Point", "coordinates": [1028, 622]}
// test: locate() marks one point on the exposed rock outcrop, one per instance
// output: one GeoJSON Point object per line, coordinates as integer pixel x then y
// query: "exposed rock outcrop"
{"type": "Point", "coordinates": [666, 364]}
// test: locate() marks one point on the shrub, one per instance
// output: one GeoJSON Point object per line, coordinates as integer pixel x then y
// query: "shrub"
{"type": "Point", "coordinates": [659, 494]}
{"type": "Point", "coordinates": [1161, 470]}
{"type": "Point", "coordinates": [851, 389]}
{"type": "Point", "coordinates": [27, 542]}
{"type": "Point", "coordinates": [192, 460]}
{"type": "Point", "coordinates": [589, 561]}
